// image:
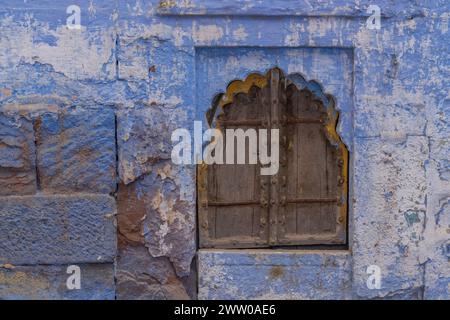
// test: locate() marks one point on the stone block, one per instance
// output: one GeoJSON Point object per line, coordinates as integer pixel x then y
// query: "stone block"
{"type": "Point", "coordinates": [140, 276]}
{"type": "Point", "coordinates": [268, 274]}
{"type": "Point", "coordinates": [76, 151]}
{"type": "Point", "coordinates": [44, 282]}
{"type": "Point", "coordinates": [57, 229]}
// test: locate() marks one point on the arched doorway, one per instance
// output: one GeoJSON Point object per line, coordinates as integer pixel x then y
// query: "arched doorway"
{"type": "Point", "coordinates": [305, 202]}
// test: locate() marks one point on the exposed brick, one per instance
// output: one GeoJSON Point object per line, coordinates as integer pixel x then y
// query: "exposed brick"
{"type": "Point", "coordinates": [49, 282]}
{"type": "Point", "coordinates": [77, 151]}
{"type": "Point", "coordinates": [17, 155]}
{"type": "Point", "coordinates": [57, 229]}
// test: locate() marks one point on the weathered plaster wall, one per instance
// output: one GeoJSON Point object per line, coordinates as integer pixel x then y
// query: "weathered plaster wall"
{"type": "Point", "coordinates": [85, 123]}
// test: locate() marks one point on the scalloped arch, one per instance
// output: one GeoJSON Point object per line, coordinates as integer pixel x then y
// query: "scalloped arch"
{"type": "Point", "coordinates": [259, 80]}
{"type": "Point", "coordinates": [316, 89]}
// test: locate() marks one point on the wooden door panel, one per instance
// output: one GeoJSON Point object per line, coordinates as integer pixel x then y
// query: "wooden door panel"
{"type": "Point", "coordinates": [235, 216]}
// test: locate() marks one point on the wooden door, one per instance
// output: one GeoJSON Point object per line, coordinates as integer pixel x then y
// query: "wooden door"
{"type": "Point", "coordinates": [306, 201]}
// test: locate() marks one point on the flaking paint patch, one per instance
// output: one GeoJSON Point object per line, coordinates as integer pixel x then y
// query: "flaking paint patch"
{"type": "Point", "coordinates": [179, 34]}
{"type": "Point", "coordinates": [406, 26]}
{"type": "Point", "coordinates": [319, 26]}
{"type": "Point", "coordinates": [91, 9]}
{"type": "Point", "coordinates": [165, 172]}
{"type": "Point", "coordinates": [159, 30]}
{"type": "Point", "coordinates": [136, 9]}
{"type": "Point", "coordinates": [205, 34]}
{"type": "Point", "coordinates": [254, 62]}
{"type": "Point", "coordinates": [293, 38]}
{"type": "Point", "coordinates": [67, 56]}
{"type": "Point", "coordinates": [443, 24]}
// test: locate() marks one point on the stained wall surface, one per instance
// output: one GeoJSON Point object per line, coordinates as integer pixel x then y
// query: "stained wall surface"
{"type": "Point", "coordinates": [86, 117]}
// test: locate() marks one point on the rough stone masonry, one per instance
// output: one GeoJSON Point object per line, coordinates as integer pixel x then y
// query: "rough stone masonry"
{"type": "Point", "coordinates": [86, 116]}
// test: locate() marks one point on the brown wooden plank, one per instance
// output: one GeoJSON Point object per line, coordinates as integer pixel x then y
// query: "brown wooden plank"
{"type": "Point", "coordinates": [237, 184]}
{"type": "Point", "coordinates": [292, 156]}
{"type": "Point", "coordinates": [260, 213]}
{"type": "Point", "coordinates": [212, 194]}
{"type": "Point", "coordinates": [311, 167]}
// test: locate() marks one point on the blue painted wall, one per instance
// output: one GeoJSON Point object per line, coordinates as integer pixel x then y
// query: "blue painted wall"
{"type": "Point", "coordinates": [136, 70]}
